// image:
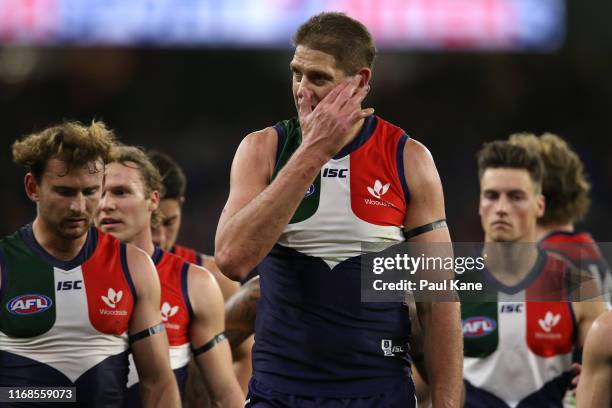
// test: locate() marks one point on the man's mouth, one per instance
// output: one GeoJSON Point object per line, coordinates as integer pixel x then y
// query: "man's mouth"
{"type": "Point", "coordinates": [501, 224]}
{"type": "Point", "coordinates": [109, 222]}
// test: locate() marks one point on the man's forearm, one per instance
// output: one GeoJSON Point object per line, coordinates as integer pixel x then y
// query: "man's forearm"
{"type": "Point", "coordinates": [240, 313]}
{"type": "Point", "coordinates": [443, 349]}
{"type": "Point", "coordinates": [251, 233]}
{"type": "Point", "coordinates": [162, 393]}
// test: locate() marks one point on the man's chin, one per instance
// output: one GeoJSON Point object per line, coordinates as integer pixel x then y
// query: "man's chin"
{"type": "Point", "coordinates": [74, 232]}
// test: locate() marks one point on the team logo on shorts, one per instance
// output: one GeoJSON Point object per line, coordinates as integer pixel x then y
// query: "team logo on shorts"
{"type": "Point", "coordinates": [478, 326]}
{"type": "Point", "coordinates": [389, 349]}
{"type": "Point", "coordinates": [29, 304]}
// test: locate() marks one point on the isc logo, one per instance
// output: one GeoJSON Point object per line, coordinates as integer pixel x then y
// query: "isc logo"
{"type": "Point", "coordinates": [69, 285]}
{"type": "Point", "coordinates": [339, 173]}
{"type": "Point", "coordinates": [478, 326]}
{"type": "Point", "coordinates": [511, 308]}
{"type": "Point", "coordinates": [29, 304]}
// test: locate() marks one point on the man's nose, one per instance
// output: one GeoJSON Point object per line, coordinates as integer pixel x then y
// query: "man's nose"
{"type": "Point", "coordinates": [501, 207]}
{"type": "Point", "coordinates": [78, 204]}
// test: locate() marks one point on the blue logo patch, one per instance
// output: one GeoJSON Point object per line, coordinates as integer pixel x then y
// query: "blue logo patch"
{"type": "Point", "coordinates": [310, 191]}
{"type": "Point", "coordinates": [478, 326]}
{"type": "Point", "coordinates": [29, 304]}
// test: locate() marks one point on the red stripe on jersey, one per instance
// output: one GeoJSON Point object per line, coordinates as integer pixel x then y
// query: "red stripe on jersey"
{"type": "Point", "coordinates": [377, 196]}
{"type": "Point", "coordinates": [174, 306]}
{"type": "Point", "coordinates": [575, 246]}
{"type": "Point", "coordinates": [550, 324]}
{"type": "Point", "coordinates": [109, 293]}
{"type": "Point", "coordinates": [190, 255]}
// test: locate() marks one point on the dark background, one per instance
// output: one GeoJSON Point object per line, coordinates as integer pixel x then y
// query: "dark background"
{"type": "Point", "coordinates": [197, 104]}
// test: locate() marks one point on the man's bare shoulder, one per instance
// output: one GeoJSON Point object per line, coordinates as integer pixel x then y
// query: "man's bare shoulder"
{"type": "Point", "coordinates": [263, 138]}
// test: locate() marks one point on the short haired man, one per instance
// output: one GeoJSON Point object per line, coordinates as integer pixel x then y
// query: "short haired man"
{"type": "Point", "coordinates": [191, 301]}
{"type": "Point", "coordinates": [518, 349]}
{"type": "Point", "coordinates": [303, 195]}
{"type": "Point", "coordinates": [566, 189]}
{"type": "Point", "coordinates": [74, 299]}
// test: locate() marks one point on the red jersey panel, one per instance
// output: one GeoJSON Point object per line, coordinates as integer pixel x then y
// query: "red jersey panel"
{"type": "Point", "coordinates": [108, 285]}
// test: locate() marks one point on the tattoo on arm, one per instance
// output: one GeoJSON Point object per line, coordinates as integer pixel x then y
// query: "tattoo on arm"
{"type": "Point", "coordinates": [240, 313]}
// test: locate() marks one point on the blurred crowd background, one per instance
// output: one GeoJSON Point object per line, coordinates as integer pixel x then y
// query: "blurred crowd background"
{"type": "Point", "coordinates": [197, 103]}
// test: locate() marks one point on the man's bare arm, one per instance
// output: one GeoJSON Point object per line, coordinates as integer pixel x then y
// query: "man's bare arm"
{"type": "Point", "coordinates": [439, 320]}
{"type": "Point", "coordinates": [228, 286]}
{"type": "Point", "coordinates": [157, 383]}
{"type": "Point", "coordinates": [214, 356]}
{"type": "Point", "coordinates": [595, 385]}
{"type": "Point", "coordinates": [240, 313]}
{"type": "Point", "coordinates": [257, 210]}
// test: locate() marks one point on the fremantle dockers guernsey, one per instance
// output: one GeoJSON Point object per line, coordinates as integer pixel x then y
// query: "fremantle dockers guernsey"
{"type": "Point", "coordinates": [313, 334]}
{"type": "Point", "coordinates": [581, 249]}
{"type": "Point", "coordinates": [176, 315]}
{"type": "Point", "coordinates": [190, 255]}
{"type": "Point", "coordinates": [64, 324]}
{"type": "Point", "coordinates": [517, 353]}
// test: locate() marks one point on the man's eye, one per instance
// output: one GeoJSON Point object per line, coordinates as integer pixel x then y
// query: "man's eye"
{"type": "Point", "coordinates": [65, 192]}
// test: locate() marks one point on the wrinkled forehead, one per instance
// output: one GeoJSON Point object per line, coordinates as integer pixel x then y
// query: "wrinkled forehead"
{"type": "Point", "coordinates": [56, 170]}
{"type": "Point", "coordinates": [306, 59]}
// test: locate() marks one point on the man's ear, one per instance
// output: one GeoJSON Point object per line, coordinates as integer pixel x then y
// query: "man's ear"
{"type": "Point", "coordinates": [154, 200]}
{"type": "Point", "coordinates": [31, 187]}
{"type": "Point", "coordinates": [366, 76]}
{"type": "Point", "coordinates": [541, 205]}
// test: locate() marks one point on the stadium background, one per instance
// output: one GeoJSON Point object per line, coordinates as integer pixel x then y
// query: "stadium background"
{"type": "Point", "coordinates": [196, 103]}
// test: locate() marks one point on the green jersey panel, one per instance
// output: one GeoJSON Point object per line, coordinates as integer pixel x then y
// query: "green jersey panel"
{"type": "Point", "coordinates": [28, 293]}
{"type": "Point", "coordinates": [291, 138]}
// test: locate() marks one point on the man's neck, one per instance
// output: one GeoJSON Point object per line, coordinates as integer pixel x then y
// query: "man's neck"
{"type": "Point", "coordinates": [144, 241]}
{"type": "Point", "coordinates": [542, 231]}
{"type": "Point", "coordinates": [64, 249]}
{"type": "Point", "coordinates": [510, 262]}
{"type": "Point", "coordinates": [355, 131]}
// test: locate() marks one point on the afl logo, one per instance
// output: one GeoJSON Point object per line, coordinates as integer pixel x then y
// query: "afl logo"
{"type": "Point", "coordinates": [310, 191]}
{"type": "Point", "coordinates": [478, 326]}
{"type": "Point", "coordinates": [29, 304]}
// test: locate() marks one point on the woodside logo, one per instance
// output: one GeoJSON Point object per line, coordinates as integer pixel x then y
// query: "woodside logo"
{"type": "Point", "coordinates": [111, 301]}
{"type": "Point", "coordinates": [377, 191]}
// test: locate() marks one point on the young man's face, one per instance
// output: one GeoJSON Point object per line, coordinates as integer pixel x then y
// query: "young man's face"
{"type": "Point", "coordinates": [125, 211]}
{"type": "Point", "coordinates": [509, 205]}
{"type": "Point", "coordinates": [67, 200]}
{"type": "Point", "coordinates": [166, 234]}
{"type": "Point", "coordinates": [316, 71]}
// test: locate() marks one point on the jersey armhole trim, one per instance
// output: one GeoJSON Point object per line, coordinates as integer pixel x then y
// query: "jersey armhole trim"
{"type": "Point", "coordinates": [199, 258]}
{"type": "Point", "coordinates": [400, 166]}
{"type": "Point", "coordinates": [281, 137]}
{"type": "Point", "coordinates": [185, 289]}
{"type": "Point", "coordinates": [126, 269]}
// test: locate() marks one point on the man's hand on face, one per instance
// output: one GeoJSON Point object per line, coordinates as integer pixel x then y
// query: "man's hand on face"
{"type": "Point", "coordinates": [329, 125]}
